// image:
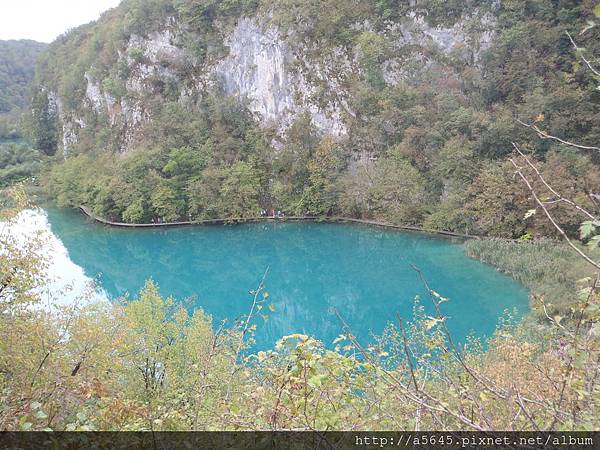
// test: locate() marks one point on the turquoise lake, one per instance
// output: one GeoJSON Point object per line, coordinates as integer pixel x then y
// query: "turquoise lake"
{"type": "Point", "coordinates": [363, 272]}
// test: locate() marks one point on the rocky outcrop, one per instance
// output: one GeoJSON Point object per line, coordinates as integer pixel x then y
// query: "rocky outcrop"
{"type": "Point", "coordinates": [259, 67]}
{"type": "Point", "coordinates": [279, 80]}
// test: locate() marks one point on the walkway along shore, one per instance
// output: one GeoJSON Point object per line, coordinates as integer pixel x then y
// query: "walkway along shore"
{"type": "Point", "coordinates": [239, 220]}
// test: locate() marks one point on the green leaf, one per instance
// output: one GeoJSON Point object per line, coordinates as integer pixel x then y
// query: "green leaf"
{"type": "Point", "coordinates": [36, 405]}
{"type": "Point", "coordinates": [588, 229]}
{"type": "Point", "coordinates": [41, 415]}
{"type": "Point", "coordinates": [316, 381]}
{"type": "Point", "coordinates": [592, 308]}
{"type": "Point", "coordinates": [594, 242]}
{"type": "Point", "coordinates": [597, 10]}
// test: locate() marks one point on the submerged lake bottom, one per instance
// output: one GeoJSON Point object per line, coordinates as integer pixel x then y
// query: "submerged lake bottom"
{"type": "Point", "coordinates": [364, 273]}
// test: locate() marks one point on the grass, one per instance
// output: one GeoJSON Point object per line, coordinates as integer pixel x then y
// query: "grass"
{"type": "Point", "coordinates": [550, 269]}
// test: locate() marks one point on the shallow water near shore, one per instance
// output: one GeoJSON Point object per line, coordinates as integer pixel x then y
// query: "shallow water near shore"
{"type": "Point", "coordinates": [365, 273]}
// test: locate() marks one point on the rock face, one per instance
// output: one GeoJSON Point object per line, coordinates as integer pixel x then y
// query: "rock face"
{"type": "Point", "coordinates": [279, 80]}
{"type": "Point", "coordinates": [258, 67]}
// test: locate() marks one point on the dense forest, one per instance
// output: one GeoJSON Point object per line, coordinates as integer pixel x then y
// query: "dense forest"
{"type": "Point", "coordinates": [17, 67]}
{"type": "Point", "coordinates": [18, 161]}
{"type": "Point", "coordinates": [484, 121]}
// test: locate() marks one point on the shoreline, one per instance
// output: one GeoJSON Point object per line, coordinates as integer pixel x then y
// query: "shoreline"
{"type": "Point", "coordinates": [242, 220]}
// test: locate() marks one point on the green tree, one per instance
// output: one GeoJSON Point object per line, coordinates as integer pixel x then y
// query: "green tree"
{"type": "Point", "coordinates": [167, 203]}
{"type": "Point", "coordinates": [320, 197]}
{"type": "Point", "coordinates": [240, 193]}
{"type": "Point", "coordinates": [204, 194]}
{"type": "Point", "coordinates": [398, 190]}
{"type": "Point", "coordinates": [17, 66]}
{"type": "Point", "coordinates": [373, 49]}
{"type": "Point", "coordinates": [291, 164]}
{"type": "Point", "coordinates": [496, 203]}
{"type": "Point", "coordinates": [43, 129]}
{"type": "Point", "coordinates": [185, 163]}
{"type": "Point", "coordinates": [135, 212]}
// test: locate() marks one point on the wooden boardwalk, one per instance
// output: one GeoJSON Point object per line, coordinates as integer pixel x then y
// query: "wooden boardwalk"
{"type": "Point", "coordinates": [240, 220]}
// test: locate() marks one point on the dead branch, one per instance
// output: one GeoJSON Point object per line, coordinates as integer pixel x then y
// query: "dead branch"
{"type": "Point", "coordinates": [408, 357]}
{"type": "Point", "coordinates": [594, 71]}
{"type": "Point", "coordinates": [422, 397]}
{"type": "Point", "coordinates": [544, 135]}
{"type": "Point", "coordinates": [549, 216]}
{"type": "Point", "coordinates": [559, 197]}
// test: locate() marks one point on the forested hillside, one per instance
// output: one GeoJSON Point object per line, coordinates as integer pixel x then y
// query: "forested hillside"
{"type": "Point", "coordinates": [17, 65]}
{"type": "Point", "coordinates": [368, 109]}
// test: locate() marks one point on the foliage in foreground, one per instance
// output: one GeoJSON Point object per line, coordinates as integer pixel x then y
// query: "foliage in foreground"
{"type": "Point", "coordinates": [148, 364]}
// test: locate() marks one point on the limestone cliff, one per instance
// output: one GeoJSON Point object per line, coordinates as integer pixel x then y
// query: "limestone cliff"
{"type": "Point", "coordinates": [279, 74]}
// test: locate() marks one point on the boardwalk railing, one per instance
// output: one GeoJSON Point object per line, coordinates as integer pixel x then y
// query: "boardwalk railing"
{"type": "Point", "coordinates": [240, 220]}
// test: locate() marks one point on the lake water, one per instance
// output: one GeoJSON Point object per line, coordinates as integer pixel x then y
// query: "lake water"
{"type": "Point", "coordinates": [363, 272]}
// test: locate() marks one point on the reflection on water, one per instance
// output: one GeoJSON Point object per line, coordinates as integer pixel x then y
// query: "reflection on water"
{"type": "Point", "coordinates": [365, 273]}
{"type": "Point", "coordinates": [67, 282]}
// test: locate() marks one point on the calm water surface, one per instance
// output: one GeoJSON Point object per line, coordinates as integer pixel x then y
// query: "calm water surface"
{"type": "Point", "coordinates": [363, 272]}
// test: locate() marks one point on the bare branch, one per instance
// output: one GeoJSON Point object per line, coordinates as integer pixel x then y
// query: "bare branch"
{"type": "Point", "coordinates": [486, 383]}
{"type": "Point", "coordinates": [550, 319]}
{"type": "Point", "coordinates": [543, 135]}
{"type": "Point", "coordinates": [408, 357]}
{"type": "Point", "coordinates": [547, 213]}
{"type": "Point", "coordinates": [422, 397]}
{"type": "Point", "coordinates": [260, 288]}
{"type": "Point", "coordinates": [567, 380]}
{"type": "Point", "coordinates": [246, 327]}
{"type": "Point", "coordinates": [551, 189]}
{"type": "Point", "coordinates": [524, 409]}
{"type": "Point", "coordinates": [594, 71]}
